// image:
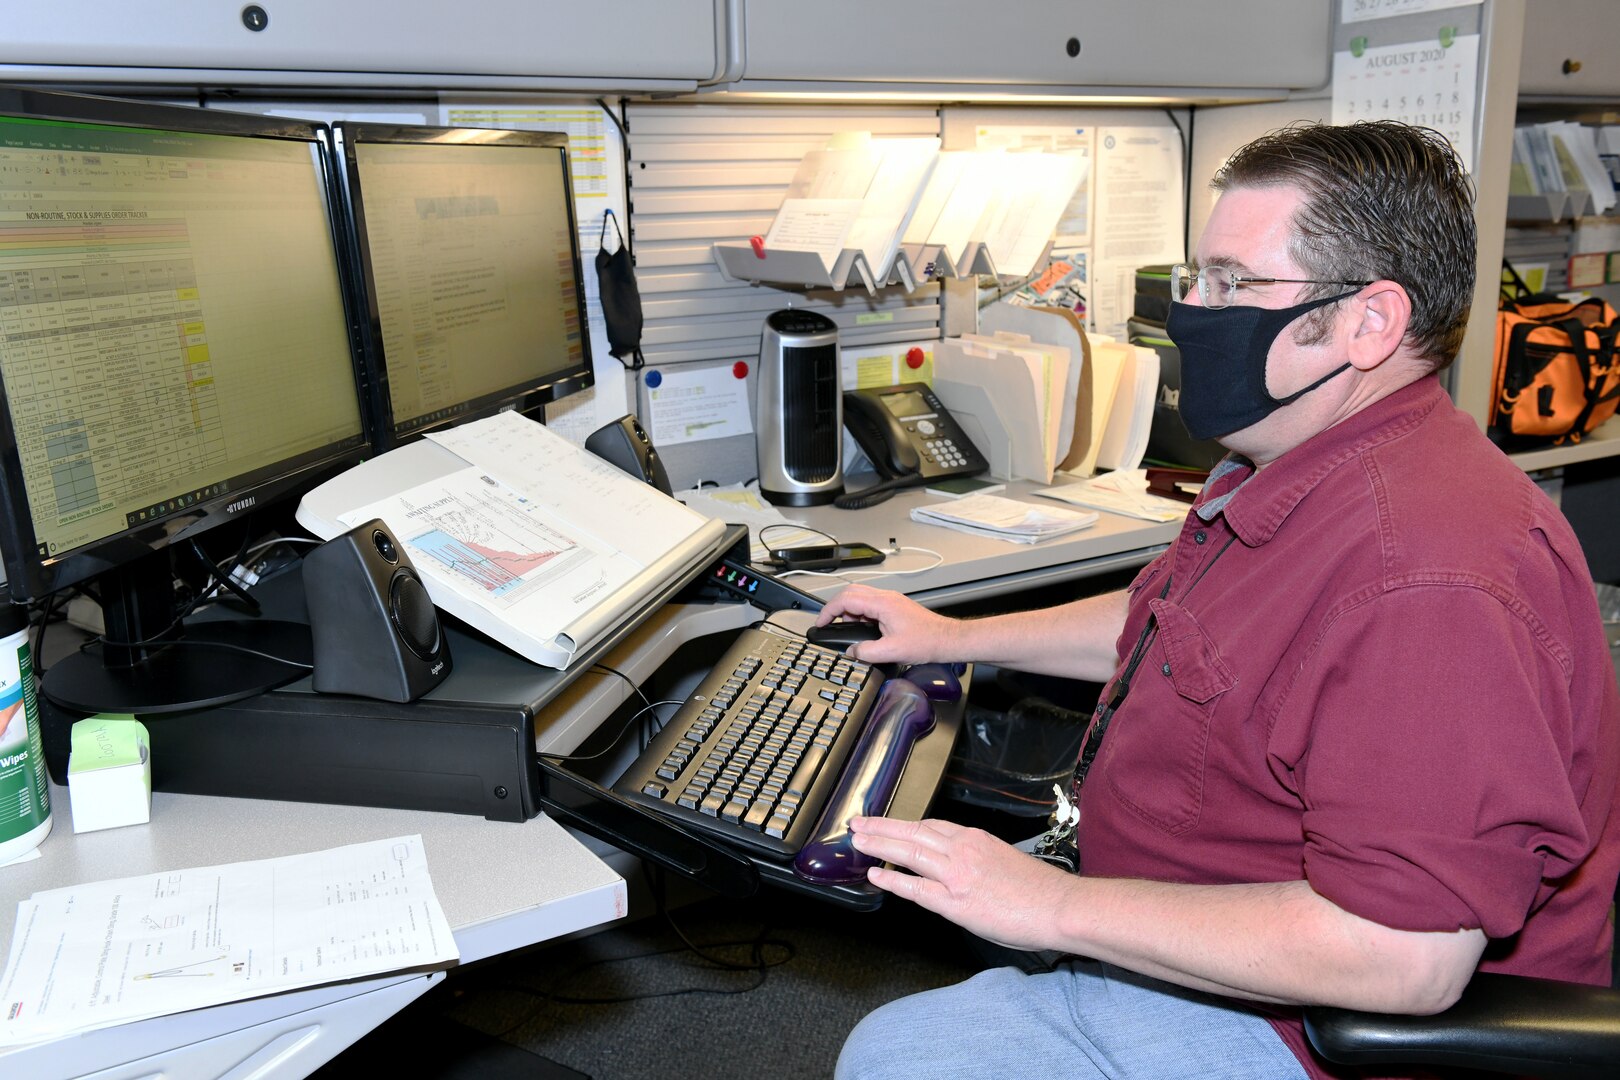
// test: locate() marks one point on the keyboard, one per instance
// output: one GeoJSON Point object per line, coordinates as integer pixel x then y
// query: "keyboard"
{"type": "Point", "coordinates": [757, 749]}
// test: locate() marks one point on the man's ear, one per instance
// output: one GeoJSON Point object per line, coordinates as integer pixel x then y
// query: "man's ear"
{"type": "Point", "coordinates": [1381, 313]}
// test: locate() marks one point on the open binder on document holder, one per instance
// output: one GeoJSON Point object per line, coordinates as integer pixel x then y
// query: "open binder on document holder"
{"type": "Point", "coordinates": [517, 532]}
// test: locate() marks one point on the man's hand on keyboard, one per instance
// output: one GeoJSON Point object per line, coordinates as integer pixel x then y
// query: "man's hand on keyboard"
{"type": "Point", "coordinates": [911, 633]}
{"type": "Point", "coordinates": [982, 884]}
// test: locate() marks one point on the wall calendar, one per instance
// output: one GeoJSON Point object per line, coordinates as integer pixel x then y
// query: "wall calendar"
{"type": "Point", "coordinates": [1432, 83]}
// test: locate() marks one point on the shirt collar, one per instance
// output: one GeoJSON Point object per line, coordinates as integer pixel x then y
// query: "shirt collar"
{"type": "Point", "coordinates": [1269, 495]}
{"type": "Point", "coordinates": [1225, 478]}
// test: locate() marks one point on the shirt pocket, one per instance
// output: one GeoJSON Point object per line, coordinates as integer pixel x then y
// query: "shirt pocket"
{"type": "Point", "coordinates": [1147, 575]}
{"type": "Point", "coordinates": [1161, 737]}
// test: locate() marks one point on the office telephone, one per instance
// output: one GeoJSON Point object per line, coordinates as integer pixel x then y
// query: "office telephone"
{"type": "Point", "coordinates": [911, 438]}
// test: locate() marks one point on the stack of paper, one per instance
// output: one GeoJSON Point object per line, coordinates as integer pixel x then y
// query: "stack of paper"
{"type": "Point", "coordinates": [1031, 194]}
{"type": "Point", "coordinates": [1125, 492]}
{"type": "Point", "coordinates": [103, 953]}
{"type": "Point", "coordinates": [1003, 519]}
{"type": "Point", "coordinates": [858, 194]}
{"type": "Point", "coordinates": [1109, 360]}
{"type": "Point", "coordinates": [1130, 421]}
{"type": "Point", "coordinates": [1562, 157]}
{"type": "Point", "coordinates": [898, 183]}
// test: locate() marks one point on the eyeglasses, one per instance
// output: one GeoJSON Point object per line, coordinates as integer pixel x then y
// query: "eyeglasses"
{"type": "Point", "coordinates": [1218, 286]}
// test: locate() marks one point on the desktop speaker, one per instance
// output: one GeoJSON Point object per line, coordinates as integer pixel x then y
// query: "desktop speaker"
{"type": "Point", "coordinates": [624, 442]}
{"type": "Point", "coordinates": [799, 410]}
{"type": "Point", "coordinates": [376, 632]}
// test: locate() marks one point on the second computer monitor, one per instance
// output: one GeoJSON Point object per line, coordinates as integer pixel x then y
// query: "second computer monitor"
{"type": "Point", "coordinates": [468, 252]}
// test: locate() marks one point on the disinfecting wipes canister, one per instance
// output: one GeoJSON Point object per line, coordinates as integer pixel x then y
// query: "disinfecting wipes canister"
{"type": "Point", "coordinates": [25, 797]}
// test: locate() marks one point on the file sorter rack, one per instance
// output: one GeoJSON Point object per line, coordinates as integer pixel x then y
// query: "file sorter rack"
{"type": "Point", "coordinates": [805, 269]}
{"type": "Point", "coordinates": [740, 262]}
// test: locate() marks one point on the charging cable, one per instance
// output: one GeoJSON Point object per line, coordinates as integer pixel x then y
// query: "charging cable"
{"type": "Point", "coordinates": [892, 550]}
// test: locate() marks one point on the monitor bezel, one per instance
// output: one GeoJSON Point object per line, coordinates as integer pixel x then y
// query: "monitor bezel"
{"type": "Point", "coordinates": [31, 575]}
{"type": "Point", "coordinates": [530, 396]}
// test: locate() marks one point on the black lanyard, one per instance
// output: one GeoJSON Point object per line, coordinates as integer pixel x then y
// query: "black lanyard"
{"type": "Point", "coordinates": [1122, 685]}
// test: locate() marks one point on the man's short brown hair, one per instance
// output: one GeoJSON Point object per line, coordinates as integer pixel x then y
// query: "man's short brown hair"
{"type": "Point", "coordinates": [1382, 201]}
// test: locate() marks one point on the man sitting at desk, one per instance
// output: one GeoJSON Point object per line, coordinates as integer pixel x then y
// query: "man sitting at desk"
{"type": "Point", "coordinates": [1361, 732]}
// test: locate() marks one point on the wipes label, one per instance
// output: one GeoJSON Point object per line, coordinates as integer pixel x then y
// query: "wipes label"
{"type": "Point", "coordinates": [25, 798]}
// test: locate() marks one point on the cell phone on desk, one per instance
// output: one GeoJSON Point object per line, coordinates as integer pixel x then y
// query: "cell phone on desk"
{"type": "Point", "coordinates": [907, 432]}
{"type": "Point", "coordinates": [825, 556]}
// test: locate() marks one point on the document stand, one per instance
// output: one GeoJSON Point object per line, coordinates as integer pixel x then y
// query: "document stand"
{"type": "Point", "coordinates": [1551, 206]}
{"type": "Point", "coordinates": [913, 265]}
{"type": "Point", "coordinates": [803, 269]}
{"type": "Point", "coordinates": [977, 260]}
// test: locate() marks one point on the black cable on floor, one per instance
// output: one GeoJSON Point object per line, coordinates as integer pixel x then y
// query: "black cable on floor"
{"type": "Point", "coordinates": [759, 963]}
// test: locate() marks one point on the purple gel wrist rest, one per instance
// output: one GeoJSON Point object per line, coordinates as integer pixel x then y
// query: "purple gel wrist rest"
{"type": "Point", "coordinates": [902, 714]}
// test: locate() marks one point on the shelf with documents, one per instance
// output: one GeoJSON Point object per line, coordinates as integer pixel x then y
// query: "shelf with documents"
{"type": "Point", "coordinates": [899, 211]}
{"type": "Point", "coordinates": [1552, 207]}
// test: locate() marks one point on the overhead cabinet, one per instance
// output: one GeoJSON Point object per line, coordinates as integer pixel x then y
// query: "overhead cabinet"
{"type": "Point", "coordinates": [1571, 49]}
{"type": "Point", "coordinates": [367, 42]}
{"type": "Point", "coordinates": [1282, 44]}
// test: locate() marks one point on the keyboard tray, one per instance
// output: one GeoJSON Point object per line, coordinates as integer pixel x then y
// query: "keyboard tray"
{"type": "Point", "coordinates": [755, 752]}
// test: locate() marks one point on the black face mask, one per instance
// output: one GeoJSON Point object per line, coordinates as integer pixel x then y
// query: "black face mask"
{"type": "Point", "coordinates": [1223, 363]}
{"type": "Point", "coordinates": [621, 300]}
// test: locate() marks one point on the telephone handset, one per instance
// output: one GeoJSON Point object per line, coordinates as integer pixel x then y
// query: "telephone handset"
{"type": "Point", "coordinates": [911, 438]}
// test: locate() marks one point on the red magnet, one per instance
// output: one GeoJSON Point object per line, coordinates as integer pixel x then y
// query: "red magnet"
{"type": "Point", "coordinates": [915, 357]}
{"type": "Point", "coordinates": [740, 369]}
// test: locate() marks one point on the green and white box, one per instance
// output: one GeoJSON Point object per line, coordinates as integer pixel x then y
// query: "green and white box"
{"type": "Point", "coordinates": [110, 773]}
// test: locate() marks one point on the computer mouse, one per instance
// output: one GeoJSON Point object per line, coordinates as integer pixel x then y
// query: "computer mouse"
{"type": "Point", "coordinates": [843, 634]}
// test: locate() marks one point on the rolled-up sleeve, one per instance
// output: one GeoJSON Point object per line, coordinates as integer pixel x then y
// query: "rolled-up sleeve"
{"type": "Point", "coordinates": [1430, 736]}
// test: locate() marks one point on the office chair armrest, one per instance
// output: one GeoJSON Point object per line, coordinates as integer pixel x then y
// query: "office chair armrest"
{"type": "Point", "coordinates": [1502, 1023]}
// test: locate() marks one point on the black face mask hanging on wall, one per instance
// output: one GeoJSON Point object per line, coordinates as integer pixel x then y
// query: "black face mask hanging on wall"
{"type": "Point", "coordinates": [621, 300]}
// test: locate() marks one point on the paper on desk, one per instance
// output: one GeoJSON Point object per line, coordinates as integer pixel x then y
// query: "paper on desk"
{"type": "Point", "coordinates": [1003, 519]}
{"type": "Point", "coordinates": [741, 505]}
{"type": "Point", "coordinates": [1124, 492]}
{"type": "Point", "coordinates": [103, 953]}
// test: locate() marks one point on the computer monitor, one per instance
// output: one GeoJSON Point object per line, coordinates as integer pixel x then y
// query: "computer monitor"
{"type": "Point", "coordinates": [175, 353]}
{"type": "Point", "coordinates": [468, 252]}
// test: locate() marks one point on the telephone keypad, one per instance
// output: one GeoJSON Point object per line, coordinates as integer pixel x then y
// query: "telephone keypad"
{"type": "Point", "coordinates": [945, 452]}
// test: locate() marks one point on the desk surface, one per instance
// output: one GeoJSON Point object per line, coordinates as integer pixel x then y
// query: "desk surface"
{"type": "Point", "coordinates": [502, 886]}
{"type": "Point", "coordinates": [976, 567]}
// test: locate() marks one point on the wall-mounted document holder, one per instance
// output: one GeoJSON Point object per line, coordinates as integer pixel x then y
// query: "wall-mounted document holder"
{"type": "Point", "coordinates": [805, 269]}
{"type": "Point", "coordinates": [897, 211]}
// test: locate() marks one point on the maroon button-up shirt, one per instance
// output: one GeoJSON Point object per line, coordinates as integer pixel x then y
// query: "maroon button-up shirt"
{"type": "Point", "coordinates": [1378, 666]}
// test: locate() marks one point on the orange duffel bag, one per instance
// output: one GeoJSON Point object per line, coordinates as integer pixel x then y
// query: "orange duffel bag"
{"type": "Point", "coordinates": [1557, 370]}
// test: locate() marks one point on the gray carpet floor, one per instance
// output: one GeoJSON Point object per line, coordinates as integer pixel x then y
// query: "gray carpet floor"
{"type": "Point", "coordinates": [635, 1002]}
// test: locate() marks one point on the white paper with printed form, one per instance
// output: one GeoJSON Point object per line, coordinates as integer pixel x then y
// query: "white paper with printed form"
{"type": "Point", "coordinates": [103, 953]}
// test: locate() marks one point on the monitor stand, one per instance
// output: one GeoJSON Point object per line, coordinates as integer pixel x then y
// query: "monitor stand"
{"type": "Point", "coordinates": [175, 667]}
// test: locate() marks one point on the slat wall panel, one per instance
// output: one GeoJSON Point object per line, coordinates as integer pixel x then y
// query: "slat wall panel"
{"type": "Point", "coordinates": [704, 174]}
